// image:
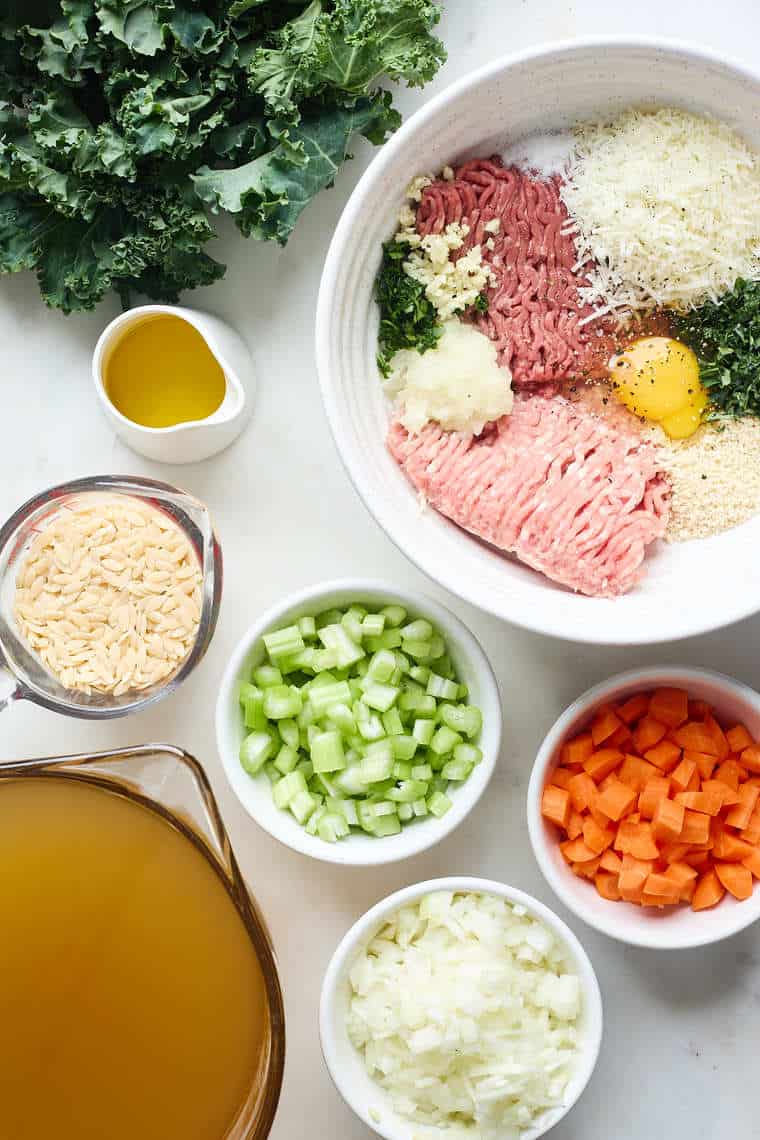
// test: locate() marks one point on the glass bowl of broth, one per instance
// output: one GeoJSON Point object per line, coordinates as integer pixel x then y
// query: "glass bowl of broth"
{"type": "Point", "coordinates": [145, 999]}
{"type": "Point", "coordinates": [23, 675]}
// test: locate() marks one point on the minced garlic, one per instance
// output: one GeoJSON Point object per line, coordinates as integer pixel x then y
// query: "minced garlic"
{"type": "Point", "coordinates": [451, 286]}
{"type": "Point", "coordinates": [715, 475]}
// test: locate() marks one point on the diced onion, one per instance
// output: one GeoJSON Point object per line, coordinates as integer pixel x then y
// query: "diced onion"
{"type": "Point", "coordinates": [465, 1009]}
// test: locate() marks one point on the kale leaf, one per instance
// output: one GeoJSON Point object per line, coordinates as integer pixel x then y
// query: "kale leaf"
{"type": "Point", "coordinates": [126, 124]}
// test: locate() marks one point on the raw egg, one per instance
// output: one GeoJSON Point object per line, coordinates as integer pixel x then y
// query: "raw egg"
{"type": "Point", "coordinates": [658, 379]}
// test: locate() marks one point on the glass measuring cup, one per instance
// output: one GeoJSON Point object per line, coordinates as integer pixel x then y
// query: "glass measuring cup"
{"type": "Point", "coordinates": [22, 674]}
{"type": "Point", "coordinates": [173, 784]}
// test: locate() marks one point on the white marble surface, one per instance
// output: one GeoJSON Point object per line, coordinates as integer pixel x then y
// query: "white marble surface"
{"type": "Point", "coordinates": [682, 1034]}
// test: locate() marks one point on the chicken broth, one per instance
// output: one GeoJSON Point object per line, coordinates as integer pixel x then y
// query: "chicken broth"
{"type": "Point", "coordinates": [132, 1003]}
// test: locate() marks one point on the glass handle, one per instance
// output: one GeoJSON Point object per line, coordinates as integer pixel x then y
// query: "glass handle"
{"type": "Point", "coordinates": [10, 689]}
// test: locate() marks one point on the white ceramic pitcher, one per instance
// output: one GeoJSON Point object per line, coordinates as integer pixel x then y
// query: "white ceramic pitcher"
{"type": "Point", "coordinates": [193, 440]}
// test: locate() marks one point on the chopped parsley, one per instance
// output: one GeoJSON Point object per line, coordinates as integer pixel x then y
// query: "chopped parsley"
{"type": "Point", "coordinates": [407, 318]}
{"type": "Point", "coordinates": [726, 339]}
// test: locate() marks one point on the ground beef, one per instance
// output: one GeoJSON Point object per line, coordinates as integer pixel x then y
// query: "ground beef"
{"type": "Point", "coordinates": [568, 493]}
{"type": "Point", "coordinates": [534, 313]}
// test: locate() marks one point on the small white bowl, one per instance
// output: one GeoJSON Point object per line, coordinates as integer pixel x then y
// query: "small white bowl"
{"type": "Point", "coordinates": [672, 928]}
{"type": "Point", "coordinates": [367, 1099]}
{"type": "Point", "coordinates": [254, 793]}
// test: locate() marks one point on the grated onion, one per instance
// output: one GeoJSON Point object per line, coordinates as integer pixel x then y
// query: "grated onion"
{"type": "Point", "coordinates": [465, 1009]}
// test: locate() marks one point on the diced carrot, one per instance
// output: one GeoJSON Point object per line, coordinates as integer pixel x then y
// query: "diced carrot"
{"type": "Point", "coordinates": [704, 761]}
{"type": "Point", "coordinates": [616, 800]}
{"type": "Point", "coordinates": [718, 735]}
{"type": "Point", "coordinates": [699, 860]}
{"type": "Point", "coordinates": [636, 839]}
{"type": "Point", "coordinates": [750, 758]}
{"type": "Point", "coordinates": [633, 875]}
{"type": "Point", "coordinates": [751, 833]}
{"type": "Point", "coordinates": [605, 783]}
{"type": "Point", "coordinates": [683, 774]}
{"type": "Point", "coordinates": [634, 708]}
{"type": "Point", "coordinates": [668, 820]}
{"type": "Point", "coordinates": [736, 878]}
{"type": "Point", "coordinates": [575, 751]}
{"type": "Point", "coordinates": [635, 772]}
{"type": "Point", "coordinates": [752, 861]}
{"type": "Point", "coordinates": [652, 792]}
{"type": "Point", "coordinates": [685, 878]}
{"type": "Point", "coordinates": [597, 838]}
{"type": "Point", "coordinates": [739, 738]}
{"type": "Point", "coordinates": [555, 805]}
{"type": "Point", "coordinates": [611, 862]}
{"type": "Point", "coordinates": [698, 710]}
{"type": "Point", "coordinates": [582, 791]}
{"type": "Point", "coordinates": [647, 733]}
{"type": "Point", "coordinates": [664, 755]}
{"type": "Point", "coordinates": [696, 738]}
{"type": "Point", "coordinates": [574, 825]}
{"type": "Point", "coordinates": [604, 761]}
{"type": "Point", "coordinates": [708, 892]}
{"type": "Point", "coordinates": [661, 886]}
{"type": "Point", "coordinates": [620, 738]}
{"type": "Point", "coordinates": [728, 796]}
{"type": "Point", "coordinates": [562, 776]}
{"type": "Point", "coordinates": [587, 869]}
{"type": "Point", "coordinates": [674, 852]}
{"type": "Point", "coordinates": [729, 772]}
{"type": "Point", "coordinates": [669, 706]}
{"type": "Point", "coordinates": [598, 817]}
{"type": "Point", "coordinates": [576, 851]}
{"type": "Point", "coordinates": [708, 802]}
{"type": "Point", "coordinates": [741, 813]}
{"type": "Point", "coordinates": [604, 724]}
{"type": "Point", "coordinates": [729, 848]}
{"type": "Point", "coordinates": [696, 827]}
{"type": "Point", "coordinates": [607, 885]}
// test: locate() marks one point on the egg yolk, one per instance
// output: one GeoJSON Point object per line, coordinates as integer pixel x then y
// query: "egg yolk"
{"type": "Point", "coordinates": [658, 379]}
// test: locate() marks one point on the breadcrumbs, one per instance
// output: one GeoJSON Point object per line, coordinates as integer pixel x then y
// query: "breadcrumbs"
{"type": "Point", "coordinates": [715, 477]}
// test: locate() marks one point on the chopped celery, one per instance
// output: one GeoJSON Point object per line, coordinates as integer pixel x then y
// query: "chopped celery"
{"type": "Point", "coordinates": [423, 731]}
{"type": "Point", "coordinates": [307, 627]}
{"type": "Point", "coordinates": [255, 750]}
{"type": "Point", "coordinates": [302, 805]}
{"type": "Point", "coordinates": [286, 759]}
{"type": "Point", "coordinates": [266, 676]}
{"type": "Point", "coordinates": [283, 642]}
{"type": "Point", "coordinates": [327, 752]}
{"type": "Point", "coordinates": [282, 702]}
{"type": "Point", "coordinates": [404, 747]}
{"type": "Point", "coordinates": [373, 625]}
{"type": "Point", "coordinates": [444, 740]}
{"type": "Point", "coordinates": [442, 688]}
{"type": "Point", "coordinates": [394, 615]}
{"type": "Point", "coordinates": [456, 770]}
{"type": "Point", "coordinates": [382, 665]}
{"type": "Point", "coordinates": [392, 722]}
{"type": "Point", "coordinates": [288, 788]}
{"type": "Point", "coordinates": [358, 720]}
{"type": "Point", "coordinates": [438, 804]}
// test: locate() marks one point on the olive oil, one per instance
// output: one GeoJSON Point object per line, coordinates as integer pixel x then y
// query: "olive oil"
{"type": "Point", "coordinates": [161, 373]}
{"type": "Point", "coordinates": [132, 1003]}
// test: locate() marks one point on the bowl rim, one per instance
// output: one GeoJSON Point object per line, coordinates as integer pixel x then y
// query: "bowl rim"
{"type": "Point", "coordinates": [647, 677]}
{"type": "Point", "coordinates": [703, 620]}
{"type": "Point", "coordinates": [411, 841]}
{"type": "Point", "coordinates": [363, 929]}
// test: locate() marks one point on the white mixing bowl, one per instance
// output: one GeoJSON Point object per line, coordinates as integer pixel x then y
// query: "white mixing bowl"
{"type": "Point", "coordinates": [689, 587]}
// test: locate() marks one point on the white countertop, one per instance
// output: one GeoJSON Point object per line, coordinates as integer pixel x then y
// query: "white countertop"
{"type": "Point", "coordinates": [680, 1055]}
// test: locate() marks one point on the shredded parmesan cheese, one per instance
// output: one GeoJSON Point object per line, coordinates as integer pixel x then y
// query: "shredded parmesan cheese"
{"type": "Point", "coordinates": [715, 476]}
{"type": "Point", "coordinates": [667, 205]}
